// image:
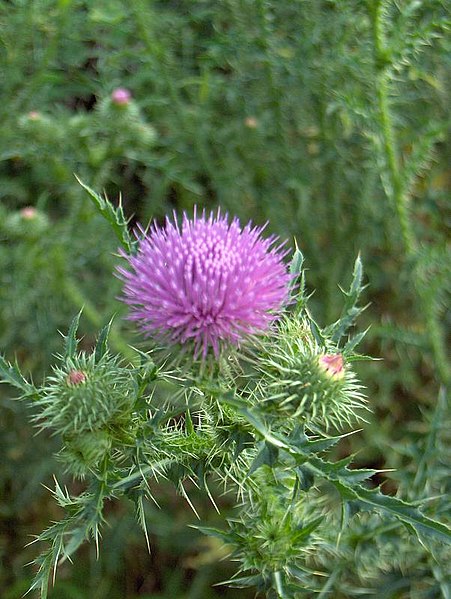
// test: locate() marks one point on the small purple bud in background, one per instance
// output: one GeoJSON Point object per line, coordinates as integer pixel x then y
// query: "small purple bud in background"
{"type": "Point", "coordinates": [333, 365]}
{"type": "Point", "coordinates": [34, 115]}
{"type": "Point", "coordinates": [209, 282]}
{"type": "Point", "coordinates": [75, 377]}
{"type": "Point", "coordinates": [121, 96]}
{"type": "Point", "coordinates": [28, 213]}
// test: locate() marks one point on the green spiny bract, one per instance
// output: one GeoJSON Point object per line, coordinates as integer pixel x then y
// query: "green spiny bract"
{"type": "Point", "coordinates": [274, 536]}
{"type": "Point", "coordinates": [27, 223]}
{"type": "Point", "coordinates": [90, 404]}
{"type": "Point", "coordinates": [84, 396]}
{"type": "Point", "coordinates": [305, 377]}
{"type": "Point", "coordinates": [85, 451]}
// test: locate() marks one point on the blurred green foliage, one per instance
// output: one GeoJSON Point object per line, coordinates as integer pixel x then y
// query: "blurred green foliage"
{"type": "Point", "coordinates": [329, 118]}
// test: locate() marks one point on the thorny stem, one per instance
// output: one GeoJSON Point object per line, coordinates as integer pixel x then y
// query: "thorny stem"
{"type": "Point", "coordinates": [390, 146]}
{"type": "Point", "coordinates": [397, 194]}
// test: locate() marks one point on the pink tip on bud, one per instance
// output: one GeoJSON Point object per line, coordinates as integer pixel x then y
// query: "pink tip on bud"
{"type": "Point", "coordinates": [76, 377]}
{"type": "Point", "coordinates": [333, 365]}
{"type": "Point", "coordinates": [28, 213]}
{"type": "Point", "coordinates": [34, 115]}
{"type": "Point", "coordinates": [121, 96]}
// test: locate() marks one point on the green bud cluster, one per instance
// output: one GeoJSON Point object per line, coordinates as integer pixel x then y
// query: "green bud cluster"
{"type": "Point", "coordinates": [85, 451]}
{"type": "Point", "coordinates": [305, 377]}
{"type": "Point", "coordinates": [28, 223]}
{"type": "Point", "coordinates": [88, 402]}
{"type": "Point", "coordinates": [273, 538]}
{"type": "Point", "coordinates": [85, 395]}
{"type": "Point", "coordinates": [133, 132]}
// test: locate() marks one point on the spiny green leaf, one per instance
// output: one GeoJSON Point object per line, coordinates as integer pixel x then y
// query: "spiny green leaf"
{"type": "Point", "coordinates": [71, 342]}
{"type": "Point", "coordinates": [315, 329]}
{"type": "Point", "coordinates": [298, 277]}
{"type": "Point", "coordinates": [267, 456]}
{"type": "Point", "coordinates": [307, 530]}
{"type": "Point", "coordinates": [297, 262]}
{"type": "Point", "coordinates": [115, 216]}
{"type": "Point", "coordinates": [356, 284]}
{"type": "Point", "coordinates": [213, 532]}
{"type": "Point", "coordinates": [242, 582]}
{"type": "Point", "coordinates": [348, 481]}
{"type": "Point", "coordinates": [305, 478]}
{"type": "Point", "coordinates": [12, 375]}
{"type": "Point", "coordinates": [396, 507]}
{"type": "Point", "coordinates": [307, 445]}
{"type": "Point", "coordinates": [354, 341]}
{"type": "Point", "coordinates": [189, 423]}
{"type": "Point", "coordinates": [102, 342]}
{"type": "Point", "coordinates": [350, 310]}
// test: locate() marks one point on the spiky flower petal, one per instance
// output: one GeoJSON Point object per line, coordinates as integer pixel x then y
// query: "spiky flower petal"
{"type": "Point", "coordinates": [333, 365]}
{"type": "Point", "coordinates": [208, 282]}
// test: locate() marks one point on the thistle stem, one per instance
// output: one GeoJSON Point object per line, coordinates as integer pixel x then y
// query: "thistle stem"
{"type": "Point", "coordinates": [397, 192]}
{"type": "Point", "coordinates": [389, 141]}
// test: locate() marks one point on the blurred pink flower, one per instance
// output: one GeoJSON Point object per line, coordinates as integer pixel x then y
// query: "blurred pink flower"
{"type": "Point", "coordinates": [121, 96]}
{"type": "Point", "coordinates": [28, 213]}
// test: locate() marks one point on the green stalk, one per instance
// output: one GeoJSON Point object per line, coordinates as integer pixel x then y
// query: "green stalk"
{"type": "Point", "coordinates": [390, 146]}
{"type": "Point", "coordinates": [397, 194]}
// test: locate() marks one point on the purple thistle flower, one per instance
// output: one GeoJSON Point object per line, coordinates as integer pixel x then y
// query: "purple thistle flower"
{"type": "Point", "coordinates": [208, 282]}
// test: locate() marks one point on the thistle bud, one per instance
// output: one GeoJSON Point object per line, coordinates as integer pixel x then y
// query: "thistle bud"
{"type": "Point", "coordinates": [85, 396]}
{"type": "Point", "coordinates": [332, 364]}
{"type": "Point", "coordinates": [28, 213]}
{"type": "Point", "coordinates": [301, 380]}
{"type": "Point", "coordinates": [251, 122]}
{"type": "Point", "coordinates": [34, 115]}
{"type": "Point", "coordinates": [85, 451]}
{"type": "Point", "coordinates": [27, 223]}
{"type": "Point", "coordinates": [75, 377]}
{"type": "Point", "coordinates": [121, 96]}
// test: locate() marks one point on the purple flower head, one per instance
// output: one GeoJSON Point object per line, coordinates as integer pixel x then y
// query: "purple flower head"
{"type": "Point", "coordinates": [208, 282]}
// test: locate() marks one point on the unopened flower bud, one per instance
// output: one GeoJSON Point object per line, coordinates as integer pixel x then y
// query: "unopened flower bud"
{"type": "Point", "coordinates": [28, 213]}
{"type": "Point", "coordinates": [86, 395]}
{"type": "Point", "coordinates": [121, 96]}
{"type": "Point", "coordinates": [76, 377]}
{"type": "Point", "coordinates": [301, 379]}
{"type": "Point", "coordinates": [332, 364]}
{"type": "Point", "coordinates": [84, 451]}
{"type": "Point", "coordinates": [251, 122]}
{"type": "Point", "coordinates": [26, 223]}
{"type": "Point", "coordinates": [34, 115]}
